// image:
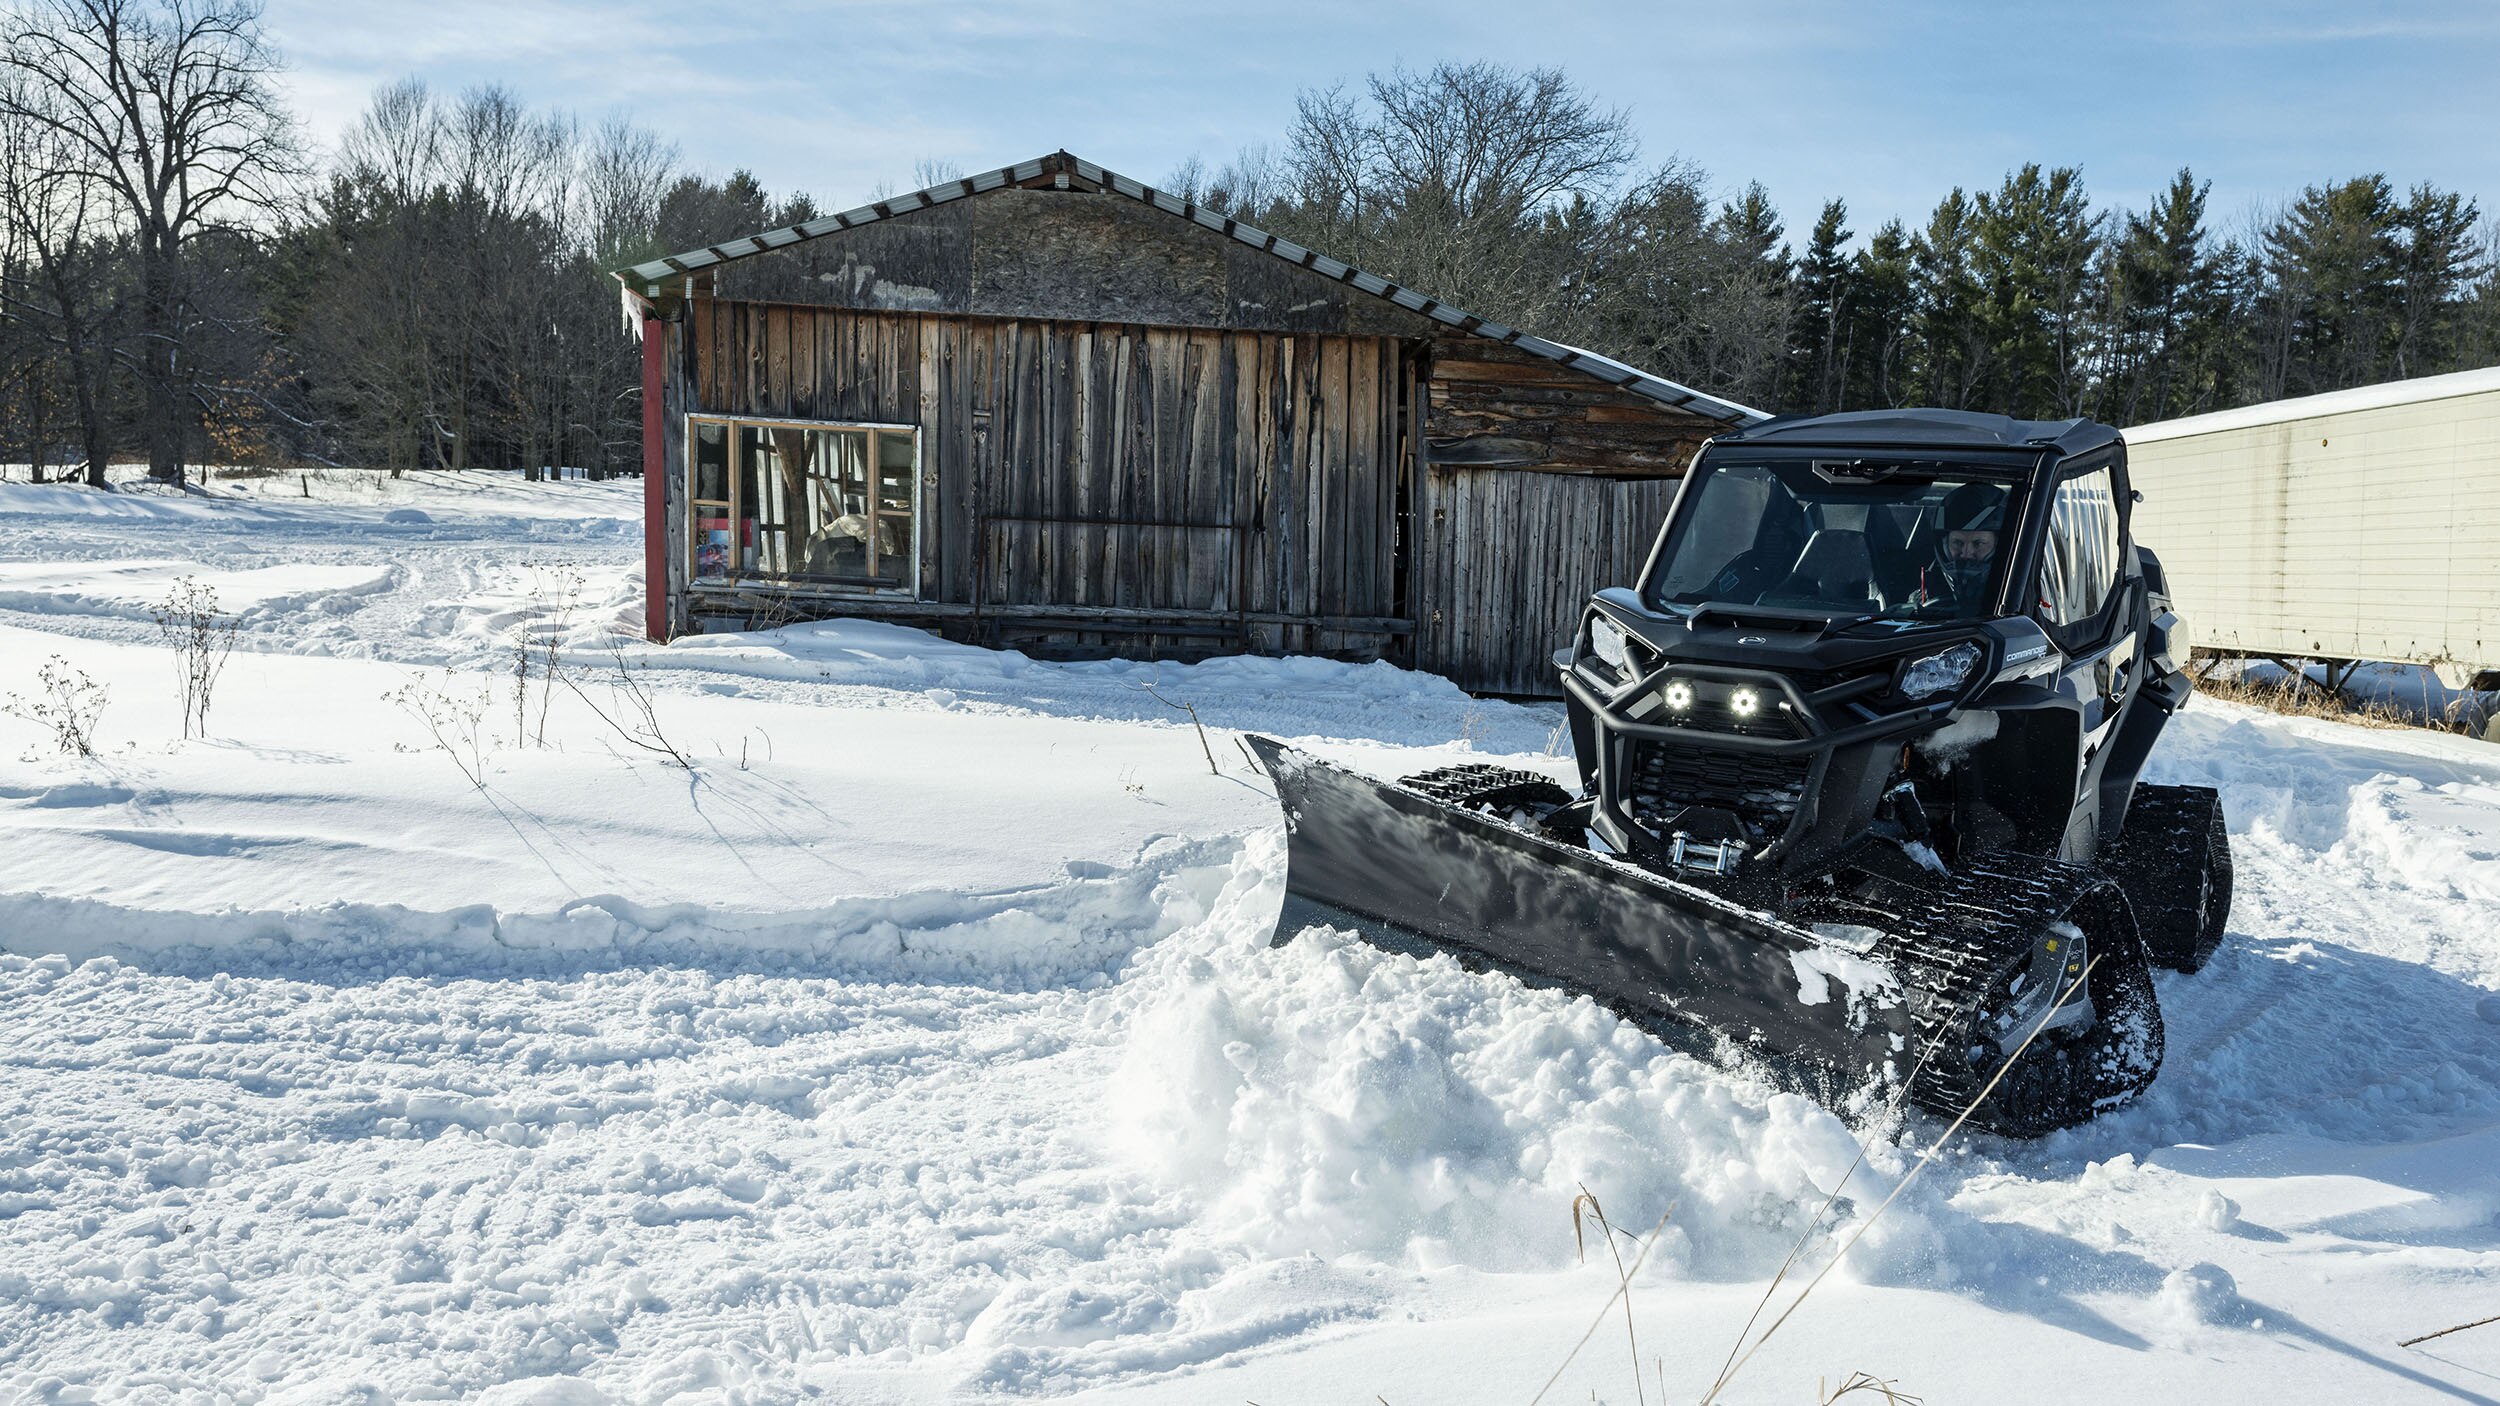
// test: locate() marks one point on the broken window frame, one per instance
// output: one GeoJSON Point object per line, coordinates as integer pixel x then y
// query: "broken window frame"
{"type": "Point", "coordinates": [744, 518]}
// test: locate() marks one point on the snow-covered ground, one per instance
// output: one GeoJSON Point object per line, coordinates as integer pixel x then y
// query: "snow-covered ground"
{"type": "Point", "coordinates": [924, 1041]}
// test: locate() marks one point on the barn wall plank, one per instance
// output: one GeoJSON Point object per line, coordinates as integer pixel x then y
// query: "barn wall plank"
{"type": "Point", "coordinates": [776, 369]}
{"type": "Point", "coordinates": [1525, 551]}
{"type": "Point", "coordinates": [1496, 407]}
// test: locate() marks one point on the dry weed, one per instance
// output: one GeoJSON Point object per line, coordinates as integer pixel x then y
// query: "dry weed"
{"type": "Point", "coordinates": [2298, 694]}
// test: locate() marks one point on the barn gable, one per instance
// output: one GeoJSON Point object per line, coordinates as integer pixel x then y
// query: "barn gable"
{"type": "Point", "coordinates": [1017, 252]}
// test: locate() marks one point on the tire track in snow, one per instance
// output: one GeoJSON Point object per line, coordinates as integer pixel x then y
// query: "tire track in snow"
{"type": "Point", "coordinates": [295, 1167]}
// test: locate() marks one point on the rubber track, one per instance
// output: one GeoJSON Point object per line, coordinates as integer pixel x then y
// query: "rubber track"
{"type": "Point", "coordinates": [1952, 942]}
{"type": "Point", "coordinates": [1480, 784]}
{"type": "Point", "coordinates": [2175, 839]}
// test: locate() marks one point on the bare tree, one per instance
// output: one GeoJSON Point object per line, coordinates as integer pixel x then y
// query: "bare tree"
{"type": "Point", "coordinates": [457, 303]}
{"type": "Point", "coordinates": [372, 318]}
{"type": "Point", "coordinates": [625, 171]}
{"type": "Point", "coordinates": [1460, 179]}
{"type": "Point", "coordinates": [1489, 140]}
{"type": "Point", "coordinates": [169, 106]}
{"type": "Point", "coordinates": [56, 290]}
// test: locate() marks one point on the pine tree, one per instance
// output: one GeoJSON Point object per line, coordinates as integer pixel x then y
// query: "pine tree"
{"type": "Point", "coordinates": [1881, 321]}
{"type": "Point", "coordinates": [1949, 344]}
{"type": "Point", "coordinates": [2478, 309]}
{"type": "Point", "coordinates": [1819, 347]}
{"type": "Point", "coordinates": [2438, 265]}
{"type": "Point", "coordinates": [2032, 255]}
{"type": "Point", "coordinates": [2167, 307]}
{"type": "Point", "coordinates": [1745, 304]}
{"type": "Point", "coordinates": [2332, 267]}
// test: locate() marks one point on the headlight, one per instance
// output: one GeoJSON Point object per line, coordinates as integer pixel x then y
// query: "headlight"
{"type": "Point", "coordinates": [1745, 702]}
{"type": "Point", "coordinates": [1679, 695]}
{"type": "Point", "coordinates": [1942, 671]}
{"type": "Point", "coordinates": [1606, 637]}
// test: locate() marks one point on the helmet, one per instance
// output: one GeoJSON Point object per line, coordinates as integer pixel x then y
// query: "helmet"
{"type": "Point", "coordinates": [1975, 507]}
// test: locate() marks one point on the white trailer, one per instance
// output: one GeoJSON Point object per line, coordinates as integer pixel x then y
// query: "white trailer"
{"type": "Point", "coordinates": [2355, 525]}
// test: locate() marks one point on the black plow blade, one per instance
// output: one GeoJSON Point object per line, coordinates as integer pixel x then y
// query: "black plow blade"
{"type": "Point", "coordinates": [1368, 855]}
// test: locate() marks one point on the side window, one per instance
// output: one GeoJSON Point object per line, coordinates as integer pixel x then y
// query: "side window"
{"type": "Point", "coordinates": [2079, 563]}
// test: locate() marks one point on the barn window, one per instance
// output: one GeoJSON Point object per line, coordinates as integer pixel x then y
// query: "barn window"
{"type": "Point", "coordinates": [804, 501]}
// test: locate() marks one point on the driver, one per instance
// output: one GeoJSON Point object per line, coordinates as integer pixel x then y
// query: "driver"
{"type": "Point", "coordinates": [1973, 521]}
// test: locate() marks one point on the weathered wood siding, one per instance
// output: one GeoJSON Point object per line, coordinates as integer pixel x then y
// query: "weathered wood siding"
{"type": "Point", "coordinates": [1494, 407]}
{"type": "Point", "coordinates": [1234, 488]}
{"type": "Point", "coordinates": [1506, 561]}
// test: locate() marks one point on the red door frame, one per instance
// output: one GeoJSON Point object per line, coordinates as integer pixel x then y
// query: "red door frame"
{"type": "Point", "coordinates": [654, 487]}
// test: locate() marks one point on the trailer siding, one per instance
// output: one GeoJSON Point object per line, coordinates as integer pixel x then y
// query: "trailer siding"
{"type": "Point", "coordinates": [2370, 531]}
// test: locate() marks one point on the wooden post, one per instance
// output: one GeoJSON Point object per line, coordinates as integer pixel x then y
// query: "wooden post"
{"type": "Point", "coordinates": [654, 487]}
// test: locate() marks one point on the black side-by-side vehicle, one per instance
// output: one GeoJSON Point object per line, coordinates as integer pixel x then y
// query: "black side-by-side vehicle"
{"type": "Point", "coordinates": [1860, 766]}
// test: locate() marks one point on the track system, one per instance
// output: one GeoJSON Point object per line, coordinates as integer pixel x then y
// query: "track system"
{"type": "Point", "coordinates": [1984, 958]}
{"type": "Point", "coordinates": [1495, 790]}
{"type": "Point", "coordinates": [1974, 952]}
{"type": "Point", "coordinates": [2174, 861]}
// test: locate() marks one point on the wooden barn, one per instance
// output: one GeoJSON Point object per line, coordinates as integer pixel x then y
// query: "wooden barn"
{"type": "Point", "coordinates": [1051, 408]}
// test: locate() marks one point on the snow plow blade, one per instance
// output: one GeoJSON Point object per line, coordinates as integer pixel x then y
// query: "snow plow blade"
{"type": "Point", "coordinates": [1368, 855]}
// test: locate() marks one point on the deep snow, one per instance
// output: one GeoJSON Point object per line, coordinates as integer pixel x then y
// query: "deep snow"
{"type": "Point", "coordinates": [926, 1041]}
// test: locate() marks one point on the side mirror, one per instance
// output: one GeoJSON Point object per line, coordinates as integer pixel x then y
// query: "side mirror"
{"type": "Point", "coordinates": [2135, 495]}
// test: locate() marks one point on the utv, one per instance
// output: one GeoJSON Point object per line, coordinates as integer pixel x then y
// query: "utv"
{"type": "Point", "coordinates": [1858, 758]}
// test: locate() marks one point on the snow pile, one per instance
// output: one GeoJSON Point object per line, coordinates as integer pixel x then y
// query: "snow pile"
{"type": "Point", "coordinates": [2217, 1212]}
{"type": "Point", "coordinates": [1080, 928]}
{"type": "Point", "coordinates": [2201, 1294]}
{"type": "Point", "coordinates": [2426, 835]}
{"type": "Point", "coordinates": [1293, 697]}
{"type": "Point", "coordinates": [1332, 1098]}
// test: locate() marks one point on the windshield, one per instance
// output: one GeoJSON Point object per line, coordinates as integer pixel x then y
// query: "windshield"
{"type": "Point", "coordinates": [1915, 544]}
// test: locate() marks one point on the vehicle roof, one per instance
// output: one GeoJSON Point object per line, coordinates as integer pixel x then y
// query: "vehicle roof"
{"type": "Point", "coordinates": [1926, 429]}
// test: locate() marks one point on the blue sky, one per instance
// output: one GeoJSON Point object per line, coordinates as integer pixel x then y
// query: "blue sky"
{"type": "Point", "coordinates": [1886, 105]}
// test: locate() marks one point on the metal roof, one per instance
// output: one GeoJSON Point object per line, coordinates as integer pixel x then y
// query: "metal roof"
{"type": "Point", "coordinates": [650, 278]}
{"type": "Point", "coordinates": [1938, 429]}
{"type": "Point", "coordinates": [2310, 407]}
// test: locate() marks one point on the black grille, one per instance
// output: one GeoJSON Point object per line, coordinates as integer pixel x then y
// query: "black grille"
{"type": "Point", "coordinates": [1762, 790]}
